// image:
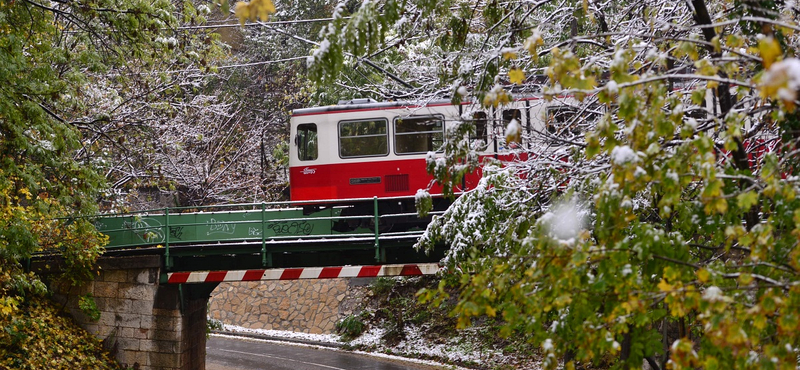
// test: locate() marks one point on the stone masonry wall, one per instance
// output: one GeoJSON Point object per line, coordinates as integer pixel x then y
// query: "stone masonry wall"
{"type": "Point", "coordinates": [141, 323]}
{"type": "Point", "coordinates": [306, 306]}
{"type": "Point", "coordinates": [125, 301]}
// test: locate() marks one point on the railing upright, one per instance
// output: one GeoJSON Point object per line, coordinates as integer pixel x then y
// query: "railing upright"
{"type": "Point", "coordinates": [377, 230]}
{"type": "Point", "coordinates": [168, 260]}
{"type": "Point", "coordinates": [263, 235]}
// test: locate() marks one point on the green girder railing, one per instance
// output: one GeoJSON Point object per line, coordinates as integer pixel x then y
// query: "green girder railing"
{"type": "Point", "coordinates": [267, 223]}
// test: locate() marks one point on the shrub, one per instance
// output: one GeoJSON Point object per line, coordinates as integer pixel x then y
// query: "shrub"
{"type": "Point", "coordinates": [382, 286]}
{"type": "Point", "coordinates": [350, 327]}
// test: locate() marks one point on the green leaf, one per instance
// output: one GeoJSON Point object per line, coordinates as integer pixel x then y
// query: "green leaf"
{"type": "Point", "coordinates": [747, 200]}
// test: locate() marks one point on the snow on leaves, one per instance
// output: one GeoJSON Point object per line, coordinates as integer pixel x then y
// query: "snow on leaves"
{"type": "Point", "coordinates": [687, 254]}
{"type": "Point", "coordinates": [684, 159]}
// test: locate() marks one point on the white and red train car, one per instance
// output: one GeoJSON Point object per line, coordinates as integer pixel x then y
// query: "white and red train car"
{"type": "Point", "coordinates": [362, 148]}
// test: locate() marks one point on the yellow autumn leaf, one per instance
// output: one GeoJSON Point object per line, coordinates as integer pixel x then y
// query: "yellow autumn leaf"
{"type": "Point", "coordinates": [264, 8]}
{"type": "Point", "coordinates": [664, 286]}
{"type": "Point", "coordinates": [717, 44]}
{"type": "Point", "coordinates": [716, 205]}
{"type": "Point", "coordinates": [745, 279]}
{"type": "Point", "coordinates": [532, 43]}
{"type": "Point", "coordinates": [516, 76]}
{"type": "Point", "coordinates": [711, 363]}
{"type": "Point", "coordinates": [255, 9]}
{"type": "Point", "coordinates": [508, 55]}
{"type": "Point", "coordinates": [242, 11]}
{"type": "Point", "coordinates": [703, 275]}
{"type": "Point", "coordinates": [759, 321]}
{"type": "Point", "coordinates": [769, 49]}
{"type": "Point", "coordinates": [705, 68]}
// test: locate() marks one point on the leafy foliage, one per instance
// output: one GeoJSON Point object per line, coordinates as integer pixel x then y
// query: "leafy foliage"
{"type": "Point", "coordinates": [667, 230]}
{"type": "Point", "coordinates": [68, 72]}
{"type": "Point", "coordinates": [88, 306]}
{"type": "Point", "coordinates": [35, 335]}
{"type": "Point", "coordinates": [213, 325]}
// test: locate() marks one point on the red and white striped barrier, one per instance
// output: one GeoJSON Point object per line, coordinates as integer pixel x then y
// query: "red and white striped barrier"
{"type": "Point", "coordinates": [302, 273]}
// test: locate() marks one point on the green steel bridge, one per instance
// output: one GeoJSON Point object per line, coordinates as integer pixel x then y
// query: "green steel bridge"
{"type": "Point", "coordinates": [267, 235]}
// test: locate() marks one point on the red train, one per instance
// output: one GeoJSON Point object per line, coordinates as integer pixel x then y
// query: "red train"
{"type": "Point", "coordinates": [361, 148]}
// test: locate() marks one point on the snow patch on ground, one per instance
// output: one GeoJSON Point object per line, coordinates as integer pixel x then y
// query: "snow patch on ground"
{"type": "Point", "coordinates": [282, 334]}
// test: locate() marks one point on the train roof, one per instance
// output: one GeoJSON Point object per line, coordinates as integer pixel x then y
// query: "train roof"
{"type": "Point", "coordinates": [367, 104]}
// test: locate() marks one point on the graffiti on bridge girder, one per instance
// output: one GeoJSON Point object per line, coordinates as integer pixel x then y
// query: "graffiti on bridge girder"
{"type": "Point", "coordinates": [176, 232]}
{"type": "Point", "coordinates": [291, 228]}
{"type": "Point", "coordinates": [149, 230]}
{"type": "Point", "coordinates": [220, 227]}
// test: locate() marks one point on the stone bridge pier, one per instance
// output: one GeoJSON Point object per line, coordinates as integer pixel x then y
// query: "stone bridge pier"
{"type": "Point", "coordinates": [144, 324]}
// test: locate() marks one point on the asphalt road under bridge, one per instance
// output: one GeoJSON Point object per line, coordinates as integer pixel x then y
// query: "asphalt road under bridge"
{"type": "Point", "coordinates": [223, 353]}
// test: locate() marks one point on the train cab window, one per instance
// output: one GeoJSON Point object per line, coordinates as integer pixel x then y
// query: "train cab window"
{"type": "Point", "coordinates": [363, 138]}
{"type": "Point", "coordinates": [418, 134]}
{"type": "Point", "coordinates": [306, 141]}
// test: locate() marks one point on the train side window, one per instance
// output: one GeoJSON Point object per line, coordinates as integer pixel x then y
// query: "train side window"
{"type": "Point", "coordinates": [481, 121]}
{"type": "Point", "coordinates": [508, 116]}
{"type": "Point", "coordinates": [561, 117]}
{"type": "Point", "coordinates": [512, 114]}
{"type": "Point", "coordinates": [306, 141]}
{"type": "Point", "coordinates": [568, 121]}
{"type": "Point", "coordinates": [418, 134]}
{"type": "Point", "coordinates": [363, 138]}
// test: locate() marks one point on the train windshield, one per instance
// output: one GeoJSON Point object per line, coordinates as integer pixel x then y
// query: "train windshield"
{"type": "Point", "coordinates": [363, 138]}
{"type": "Point", "coordinates": [306, 141]}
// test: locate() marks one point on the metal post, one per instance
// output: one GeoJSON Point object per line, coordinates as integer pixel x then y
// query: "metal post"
{"type": "Point", "coordinates": [180, 298]}
{"type": "Point", "coordinates": [263, 236]}
{"type": "Point", "coordinates": [377, 232]}
{"type": "Point", "coordinates": [168, 260]}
